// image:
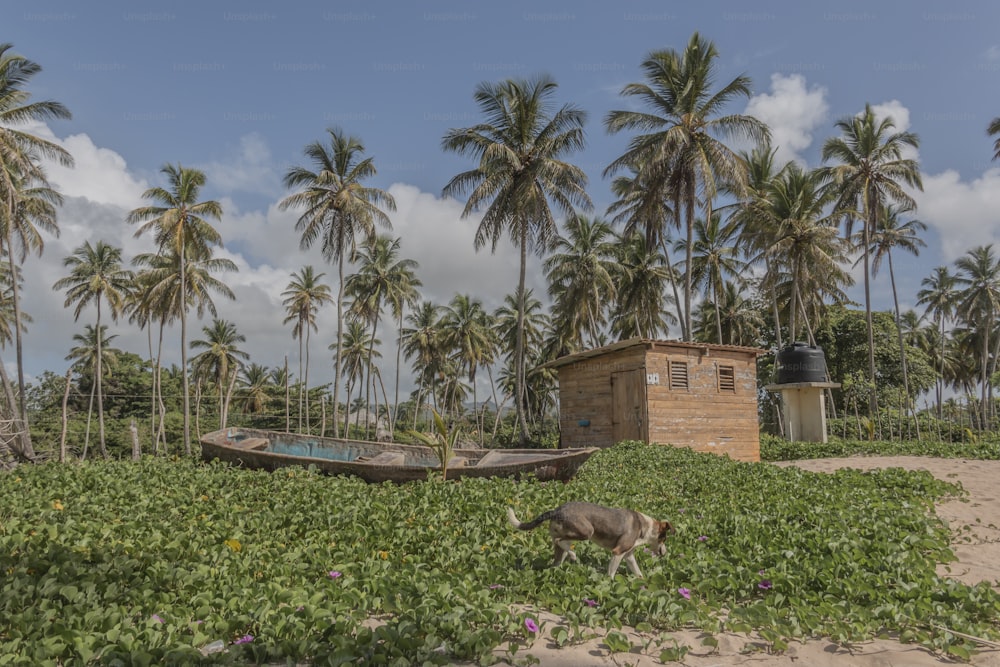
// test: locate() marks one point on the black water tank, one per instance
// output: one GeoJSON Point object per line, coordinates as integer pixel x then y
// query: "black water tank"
{"type": "Point", "coordinates": [801, 362]}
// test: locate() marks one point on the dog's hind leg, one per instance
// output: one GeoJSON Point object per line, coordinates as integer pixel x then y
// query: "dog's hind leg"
{"type": "Point", "coordinates": [563, 549]}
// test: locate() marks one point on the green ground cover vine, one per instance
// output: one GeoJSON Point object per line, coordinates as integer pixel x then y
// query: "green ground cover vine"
{"type": "Point", "coordinates": [145, 563]}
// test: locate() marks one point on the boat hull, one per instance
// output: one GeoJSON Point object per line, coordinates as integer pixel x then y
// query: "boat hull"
{"type": "Point", "coordinates": [383, 462]}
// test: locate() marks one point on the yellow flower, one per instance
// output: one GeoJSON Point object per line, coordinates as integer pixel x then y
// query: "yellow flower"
{"type": "Point", "coordinates": [56, 505]}
{"type": "Point", "coordinates": [384, 555]}
{"type": "Point", "coordinates": [234, 544]}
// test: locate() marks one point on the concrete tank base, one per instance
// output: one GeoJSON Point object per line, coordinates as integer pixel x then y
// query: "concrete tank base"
{"type": "Point", "coordinates": [803, 405]}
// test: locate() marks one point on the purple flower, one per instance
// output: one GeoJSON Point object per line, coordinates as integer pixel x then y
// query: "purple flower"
{"type": "Point", "coordinates": [156, 617]}
{"type": "Point", "coordinates": [334, 574]}
{"type": "Point", "coordinates": [493, 587]}
{"type": "Point", "coordinates": [245, 639]}
{"type": "Point", "coordinates": [760, 572]}
{"type": "Point", "coordinates": [764, 585]}
{"type": "Point", "coordinates": [589, 602]}
{"type": "Point", "coordinates": [530, 625]}
{"type": "Point", "coordinates": [685, 593]}
{"type": "Point", "coordinates": [703, 538]}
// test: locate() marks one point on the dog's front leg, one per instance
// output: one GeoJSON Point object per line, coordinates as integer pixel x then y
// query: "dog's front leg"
{"type": "Point", "coordinates": [616, 560]}
{"type": "Point", "coordinates": [632, 565]}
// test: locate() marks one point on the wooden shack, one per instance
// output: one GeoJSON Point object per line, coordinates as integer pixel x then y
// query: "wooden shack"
{"type": "Point", "coordinates": [687, 394]}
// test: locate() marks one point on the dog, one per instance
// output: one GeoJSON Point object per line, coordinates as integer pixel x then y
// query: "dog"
{"type": "Point", "coordinates": [620, 531]}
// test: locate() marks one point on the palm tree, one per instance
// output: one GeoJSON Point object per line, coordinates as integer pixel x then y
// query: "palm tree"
{"type": "Point", "coordinates": [96, 275]}
{"type": "Point", "coordinates": [870, 174]}
{"type": "Point", "coordinates": [714, 257]}
{"type": "Point", "coordinates": [382, 277]}
{"type": "Point", "coordinates": [180, 226]}
{"type": "Point", "coordinates": [994, 131]}
{"type": "Point", "coordinates": [644, 209]}
{"type": "Point", "coordinates": [358, 348]}
{"type": "Point", "coordinates": [255, 380]}
{"type": "Point", "coordinates": [220, 361]}
{"type": "Point", "coordinates": [304, 296]}
{"type": "Point", "coordinates": [580, 272]}
{"type": "Point", "coordinates": [422, 343]}
{"type": "Point", "coordinates": [757, 227]}
{"type": "Point", "coordinates": [804, 250]}
{"type": "Point", "coordinates": [676, 150]}
{"type": "Point", "coordinates": [20, 171]}
{"type": "Point", "coordinates": [337, 209]}
{"type": "Point", "coordinates": [468, 332]}
{"type": "Point", "coordinates": [939, 296]}
{"type": "Point", "coordinates": [735, 314]}
{"type": "Point", "coordinates": [978, 280]}
{"type": "Point", "coordinates": [519, 149]}
{"type": "Point", "coordinates": [160, 283]}
{"type": "Point", "coordinates": [641, 274]}
{"type": "Point", "coordinates": [891, 233]}
{"type": "Point", "coordinates": [93, 352]}
{"type": "Point", "coordinates": [7, 305]}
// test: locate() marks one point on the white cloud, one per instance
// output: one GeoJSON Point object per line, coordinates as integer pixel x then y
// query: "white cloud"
{"type": "Point", "coordinates": [792, 111]}
{"type": "Point", "coordinates": [247, 170]}
{"type": "Point", "coordinates": [265, 247]}
{"type": "Point", "coordinates": [893, 109]}
{"type": "Point", "coordinates": [963, 213]}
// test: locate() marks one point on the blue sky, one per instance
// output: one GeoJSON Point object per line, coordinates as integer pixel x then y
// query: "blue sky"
{"type": "Point", "coordinates": [239, 88]}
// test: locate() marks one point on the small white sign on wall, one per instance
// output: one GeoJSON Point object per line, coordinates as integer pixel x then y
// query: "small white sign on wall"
{"type": "Point", "coordinates": [652, 378]}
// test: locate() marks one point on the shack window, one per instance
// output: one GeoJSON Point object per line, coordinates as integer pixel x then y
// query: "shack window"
{"type": "Point", "coordinates": [679, 375]}
{"type": "Point", "coordinates": [727, 379]}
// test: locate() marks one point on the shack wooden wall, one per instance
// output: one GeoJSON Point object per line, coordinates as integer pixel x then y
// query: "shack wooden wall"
{"type": "Point", "coordinates": [703, 417]}
{"type": "Point", "coordinates": [700, 416]}
{"type": "Point", "coordinates": [585, 396]}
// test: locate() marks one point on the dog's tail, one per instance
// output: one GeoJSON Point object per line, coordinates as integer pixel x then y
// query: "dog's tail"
{"type": "Point", "coordinates": [534, 523]}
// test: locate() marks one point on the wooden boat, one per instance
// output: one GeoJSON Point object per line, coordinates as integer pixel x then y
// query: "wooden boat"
{"type": "Point", "coordinates": [383, 462]}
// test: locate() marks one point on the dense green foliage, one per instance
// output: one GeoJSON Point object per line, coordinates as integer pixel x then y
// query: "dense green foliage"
{"type": "Point", "coordinates": [140, 563]}
{"type": "Point", "coordinates": [773, 448]}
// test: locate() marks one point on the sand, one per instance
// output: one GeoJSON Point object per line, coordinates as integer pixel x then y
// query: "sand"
{"type": "Point", "coordinates": [974, 524]}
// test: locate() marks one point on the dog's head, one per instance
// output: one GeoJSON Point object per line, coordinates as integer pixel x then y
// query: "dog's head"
{"type": "Point", "coordinates": [663, 528]}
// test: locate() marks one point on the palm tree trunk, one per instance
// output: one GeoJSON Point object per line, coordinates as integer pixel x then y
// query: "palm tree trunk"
{"type": "Point", "coordinates": [370, 383]}
{"type": "Point", "coordinates": [774, 305]}
{"type": "Point", "coordinates": [340, 338]}
{"type": "Point", "coordinates": [288, 417]}
{"type": "Point", "coordinates": [688, 256]}
{"type": "Point", "coordinates": [100, 389]}
{"type": "Point", "coordinates": [184, 368]}
{"type": "Point", "coordinates": [300, 375]}
{"type": "Point", "coordinates": [399, 352]}
{"type": "Point", "coordinates": [519, 389]}
{"type": "Point", "coordinates": [902, 347]}
{"type": "Point", "coordinates": [65, 427]}
{"type": "Point", "coordinates": [870, 221]}
{"type": "Point", "coordinates": [161, 433]}
{"type": "Point", "coordinates": [86, 433]}
{"type": "Point", "coordinates": [152, 388]}
{"type": "Point", "coordinates": [306, 376]}
{"type": "Point", "coordinates": [229, 397]}
{"type": "Point", "coordinates": [984, 377]}
{"type": "Point", "coordinates": [21, 408]}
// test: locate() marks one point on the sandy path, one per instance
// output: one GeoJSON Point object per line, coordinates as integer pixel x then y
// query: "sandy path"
{"type": "Point", "coordinates": [975, 525]}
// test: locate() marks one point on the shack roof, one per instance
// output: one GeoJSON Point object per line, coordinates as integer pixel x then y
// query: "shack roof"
{"type": "Point", "coordinates": [649, 344]}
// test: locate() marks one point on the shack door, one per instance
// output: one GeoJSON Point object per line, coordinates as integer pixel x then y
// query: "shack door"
{"type": "Point", "coordinates": [628, 405]}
